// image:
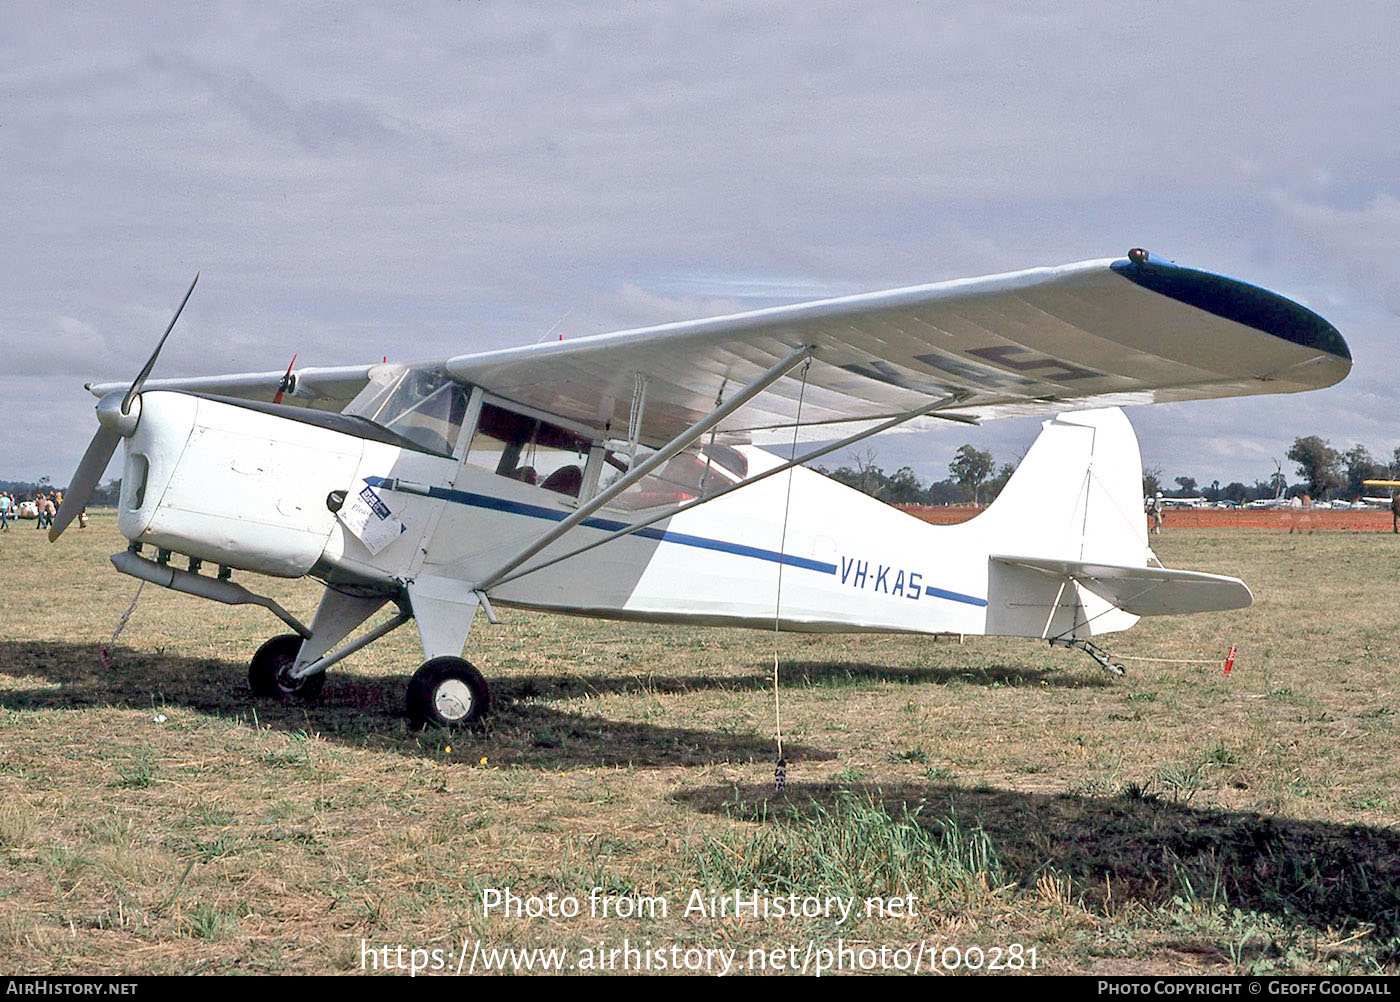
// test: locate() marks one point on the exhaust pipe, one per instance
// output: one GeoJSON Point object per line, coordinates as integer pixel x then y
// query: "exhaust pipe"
{"type": "Point", "coordinates": [197, 584]}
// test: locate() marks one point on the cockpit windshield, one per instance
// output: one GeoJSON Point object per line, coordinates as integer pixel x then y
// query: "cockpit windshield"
{"type": "Point", "coordinates": [422, 405]}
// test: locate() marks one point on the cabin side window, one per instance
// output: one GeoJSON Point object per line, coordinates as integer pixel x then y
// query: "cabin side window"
{"type": "Point", "coordinates": [527, 449]}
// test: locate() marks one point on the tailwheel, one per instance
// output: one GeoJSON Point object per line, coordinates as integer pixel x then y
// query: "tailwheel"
{"type": "Point", "coordinates": [1100, 656]}
{"type": "Point", "coordinates": [448, 692]}
{"type": "Point", "coordinates": [268, 671]}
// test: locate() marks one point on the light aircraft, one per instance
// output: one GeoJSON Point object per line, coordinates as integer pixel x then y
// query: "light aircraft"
{"type": "Point", "coordinates": [1394, 485]}
{"type": "Point", "coordinates": [620, 475]}
{"type": "Point", "coordinates": [1196, 502]}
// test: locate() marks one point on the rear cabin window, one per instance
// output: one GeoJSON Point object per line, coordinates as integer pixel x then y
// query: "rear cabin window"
{"type": "Point", "coordinates": [685, 477]}
{"type": "Point", "coordinates": [529, 450]}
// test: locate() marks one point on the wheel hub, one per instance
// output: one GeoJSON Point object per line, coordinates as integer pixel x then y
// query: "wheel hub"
{"type": "Point", "coordinates": [285, 682]}
{"type": "Point", "coordinates": [453, 699]}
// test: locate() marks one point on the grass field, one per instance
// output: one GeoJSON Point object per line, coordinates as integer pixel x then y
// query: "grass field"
{"type": "Point", "coordinates": [154, 819]}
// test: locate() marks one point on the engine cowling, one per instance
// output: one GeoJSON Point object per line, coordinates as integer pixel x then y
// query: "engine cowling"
{"type": "Point", "coordinates": [232, 485]}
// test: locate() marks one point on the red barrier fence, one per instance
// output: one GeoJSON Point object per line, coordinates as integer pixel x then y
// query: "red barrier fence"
{"type": "Point", "coordinates": [1297, 520]}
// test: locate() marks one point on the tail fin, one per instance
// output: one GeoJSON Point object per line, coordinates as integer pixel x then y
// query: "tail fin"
{"type": "Point", "coordinates": [1077, 495]}
{"type": "Point", "coordinates": [1067, 539]}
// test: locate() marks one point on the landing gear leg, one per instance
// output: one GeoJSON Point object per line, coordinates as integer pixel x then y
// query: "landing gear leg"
{"type": "Point", "coordinates": [446, 691]}
{"type": "Point", "coordinates": [1094, 651]}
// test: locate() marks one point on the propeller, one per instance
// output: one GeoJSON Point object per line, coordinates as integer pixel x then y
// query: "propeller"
{"type": "Point", "coordinates": [140, 380]}
{"type": "Point", "coordinates": [115, 422]}
{"type": "Point", "coordinates": [288, 383]}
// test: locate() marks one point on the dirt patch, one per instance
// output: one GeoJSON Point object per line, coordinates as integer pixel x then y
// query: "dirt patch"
{"type": "Point", "coordinates": [950, 515]}
{"type": "Point", "coordinates": [1291, 520]}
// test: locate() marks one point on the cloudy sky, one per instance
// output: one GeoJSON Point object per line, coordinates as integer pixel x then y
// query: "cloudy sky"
{"type": "Point", "coordinates": [418, 180]}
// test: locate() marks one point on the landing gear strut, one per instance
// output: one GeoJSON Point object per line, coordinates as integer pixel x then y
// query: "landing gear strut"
{"type": "Point", "coordinates": [448, 692]}
{"type": "Point", "coordinates": [269, 671]}
{"type": "Point", "coordinates": [1100, 655]}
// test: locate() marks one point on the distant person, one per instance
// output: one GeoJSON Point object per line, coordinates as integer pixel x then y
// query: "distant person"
{"type": "Point", "coordinates": [1395, 511]}
{"type": "Point", "coordinates": [1154, 513]}
{"type": "Point", "coordinates": [6, 503]}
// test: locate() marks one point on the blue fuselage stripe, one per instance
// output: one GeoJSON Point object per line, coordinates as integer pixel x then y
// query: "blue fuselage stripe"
{"type": "Point", "coordinates": [955, 596]}
{"type": "Point", "coordinates": [661, 535]}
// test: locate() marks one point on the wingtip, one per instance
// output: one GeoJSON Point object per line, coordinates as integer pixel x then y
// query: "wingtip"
{"type": "Point", "coordinates": [1232, 299]}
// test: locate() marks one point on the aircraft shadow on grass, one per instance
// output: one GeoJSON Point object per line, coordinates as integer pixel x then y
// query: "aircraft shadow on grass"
{"type": "Point", "coordinates": [1134, 847]}
{"type": "Point", "coordinates": [798, 674]}
{"type": "Point", "coordinates": [362, 711]}
{"type": "Point", "coordinates": [368, 711]}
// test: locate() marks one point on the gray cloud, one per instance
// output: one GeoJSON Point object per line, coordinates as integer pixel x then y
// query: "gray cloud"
{"type": "Point", "coordinates": [357, 180]}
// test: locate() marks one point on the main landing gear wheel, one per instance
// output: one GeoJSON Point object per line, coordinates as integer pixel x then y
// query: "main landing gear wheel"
{"type": "Point", "coordinates": [448, 692]}
{"type": "Point", "coordinates": [267, 672]}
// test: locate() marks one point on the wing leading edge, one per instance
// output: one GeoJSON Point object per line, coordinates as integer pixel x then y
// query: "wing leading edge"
{"type": "Point", "coordinates": [323, 388]}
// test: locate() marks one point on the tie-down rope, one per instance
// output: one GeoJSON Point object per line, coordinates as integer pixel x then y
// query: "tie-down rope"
{"type": "Point", "coordinates": [780, 768]}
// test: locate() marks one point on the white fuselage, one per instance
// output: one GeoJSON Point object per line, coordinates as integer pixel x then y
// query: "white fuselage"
{"type": "Point", "coordinates": [248, 489]}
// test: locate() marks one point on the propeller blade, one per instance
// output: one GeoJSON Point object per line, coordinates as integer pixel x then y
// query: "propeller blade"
{"type": "Point", "coordinates": [286, 383]}
{"type": "Point", "coordinates": [85, 477]}
{"type": "Point", "coordinates": [140, 380]}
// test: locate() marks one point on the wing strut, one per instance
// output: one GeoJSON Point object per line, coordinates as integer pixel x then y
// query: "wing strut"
{"type": "Point", "coordinates": [949, 401]}
{"type": "Point", "coordinates": [666, 453]}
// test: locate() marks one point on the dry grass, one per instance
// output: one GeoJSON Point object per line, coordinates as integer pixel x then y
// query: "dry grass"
{"type": "Point", "coordinates": [1177, 820]}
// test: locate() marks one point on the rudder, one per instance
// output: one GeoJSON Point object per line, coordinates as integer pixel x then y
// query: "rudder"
{"type": "Point", "coordinates": [1076, 496]}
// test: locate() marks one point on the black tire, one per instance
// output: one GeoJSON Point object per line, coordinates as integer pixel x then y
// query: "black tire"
{"type": "Point", "coordinates": [267, 672]}
{"type": "Point", "coordinates": [448, 692]}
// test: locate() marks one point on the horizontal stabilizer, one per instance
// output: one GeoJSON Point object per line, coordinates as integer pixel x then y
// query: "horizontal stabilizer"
{"type": "Point", "coordinates": [1145, 591]}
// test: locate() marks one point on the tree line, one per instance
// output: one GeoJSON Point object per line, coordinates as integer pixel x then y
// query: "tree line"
{"type": "Point", "coordinates": [102, 496]}
{"type": "Point", "coordinates": [1328, 473]}
{"type": "Point", "coordinates": [1324, 474]}
{"type": "Point", "coordinates": [975, 478]}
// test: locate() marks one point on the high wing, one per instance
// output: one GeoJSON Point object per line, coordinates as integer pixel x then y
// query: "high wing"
{"type": "Point", "coordinates": [1093, 334]}
{"type": "Point", "coordinates": [323, 388]}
